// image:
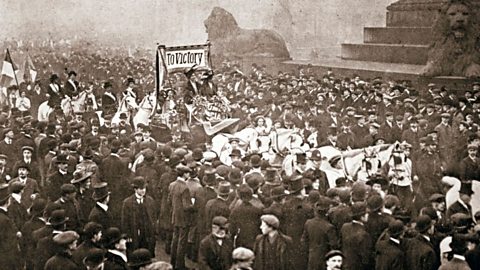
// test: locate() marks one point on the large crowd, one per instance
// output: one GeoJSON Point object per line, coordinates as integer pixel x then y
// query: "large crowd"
{"type": "Point", "coordinates": [73, 194]}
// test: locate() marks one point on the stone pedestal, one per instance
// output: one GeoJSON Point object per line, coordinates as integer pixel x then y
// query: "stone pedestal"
{"type": "Point", "coordinates": [413, 13]}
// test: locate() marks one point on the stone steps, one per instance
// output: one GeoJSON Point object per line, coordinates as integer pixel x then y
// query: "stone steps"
{"type": "Point", "coordinates": [387, 53]}
{"type": "Point", "coordinates": [398, 35]}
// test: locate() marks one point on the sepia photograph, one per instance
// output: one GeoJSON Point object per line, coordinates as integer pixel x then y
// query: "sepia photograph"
{"type": "Point", "coordinates": [240, 135]}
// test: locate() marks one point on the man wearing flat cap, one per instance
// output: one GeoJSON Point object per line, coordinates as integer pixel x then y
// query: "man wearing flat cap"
{"type": "Point", "coordinates": [67, 243]}
{"type": "Point", "coordinates": [319, 235]}
{"type": "Point", "coordinates": [334, 260]}
{"type": "Point", "coordinates": [357, 244]}
{"type": "Point", "coordinates": [29, 160]}
{"type": "Point", "coordinates": [273, 250]}
{"type": "Point", "coordinates": [216, 248]}
{"type": "Point", "coordinates": [138, 217]}
{"type": "Point", "coordinates": [181, 205]}
{"type": "Point", "coordinates": [469, 168]}
{"type": "Point", "coordinates": [16, 210]}
{"type": "Point", "coordinates": [68, 202]}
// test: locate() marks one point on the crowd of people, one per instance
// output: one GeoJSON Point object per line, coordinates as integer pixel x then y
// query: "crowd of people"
{"type": "Point", "coordinates": [75, 194]}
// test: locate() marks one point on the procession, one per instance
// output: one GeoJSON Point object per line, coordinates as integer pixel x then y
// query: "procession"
{"type": "Point", "coordinates": [189, 158]}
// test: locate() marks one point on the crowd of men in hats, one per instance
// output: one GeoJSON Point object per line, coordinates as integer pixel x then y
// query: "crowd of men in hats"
{"type": "Point", "coordinates": [71, 196]}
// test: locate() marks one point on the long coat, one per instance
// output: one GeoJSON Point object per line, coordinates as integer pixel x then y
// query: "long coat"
{"type": "Point", "coordinates": [9, 248]}
{"type": "Point", "coordinates": [245, 224]}
{"type": "Point", "coordinates": [180, 200]}
{"type": "Point", "coordinates": [389, 256]}
{"type": "Point", "coordinates": [319, 237]}
{"type": "Point", "coordinates": [28, 242]}
{"type": "Point", "coordinates": [216, 207]}
{"type": "Point", "coordinates": [357, 247]}
{"type": "Point", "coordinates": [420, 254]}
{"type": "Point", "coordinates": [101, 216]}
{"type": "Point", "coordinates": [376, 224]}
{"type": "Point", "coordinates": [296, 212]}
{"type": "Point", "coordinates": [283, 253]}
{"type": "Point", "coordinates": [212, 256]}
{"type": "Point", "coordinates": [18, 213]}
{"type": "Point", "coordinates": [131, 222]}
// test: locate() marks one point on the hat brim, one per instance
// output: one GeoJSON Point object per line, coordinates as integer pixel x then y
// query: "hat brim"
{"type": "Point", "coordinates": [59, 223]}
{"type": "Point", "coordinates": [98, 198]}
{"type": "Point", "coordinates": [142, 263]}
{"type": "Point", "coordinates": [83, 178]}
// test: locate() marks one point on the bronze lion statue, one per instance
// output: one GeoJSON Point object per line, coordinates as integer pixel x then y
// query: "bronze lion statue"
{"type": "Point", "coordinates": [228, 40]}
{"type": "Point", "coordinates": [455, 50]}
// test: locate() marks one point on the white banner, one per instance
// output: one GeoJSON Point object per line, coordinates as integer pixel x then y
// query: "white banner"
{"type": "Point", "coordinates": [186, 57]}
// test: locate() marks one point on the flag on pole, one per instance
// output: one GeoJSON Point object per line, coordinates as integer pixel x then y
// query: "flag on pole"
{"type": "Point", "coordinates": [161, 67]}
{"type": "Point", "coordinates": [29, 71]}
{"type": "Point", "coordinates": [8, 75]}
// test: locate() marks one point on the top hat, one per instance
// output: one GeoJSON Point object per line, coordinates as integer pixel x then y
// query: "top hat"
{"type": "Point", "coordinates": [271, 175]}
{"type": "Point", "coordinates": [100, 191]}
{"type": "Point", "coordinates": [296, 183]}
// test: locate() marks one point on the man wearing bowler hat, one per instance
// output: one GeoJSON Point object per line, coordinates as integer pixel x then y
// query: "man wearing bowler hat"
{"type": "Point", "coordinates": [138, 217]}
{"type": "Point", "coordinates": [46, 247]}
{"type": "Point", "coordinates": [10, 254]}
{"type": "Point", "coordinates": [116, 244]}
{"type": "Point", "coordinates": [357, 244]}
{"type": "Point", "coordinates": [67, 243]}
{"type": "Point", "coordinates": [100, 212]}
{"type": "Point", "coordinates": [390, 254]}
{"type": "Point", "coordinates": [216, 248]}
{"type": "Point", "coordinates": [420, 253]}
{"type": "Point", "coordinates": [140, 259]}
{"type": "Point", "coordinates": [319, 235]}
